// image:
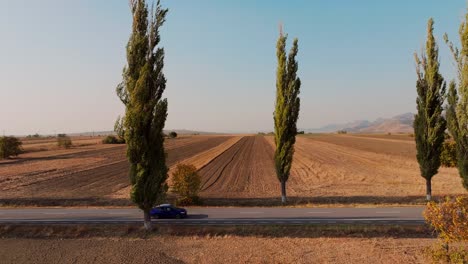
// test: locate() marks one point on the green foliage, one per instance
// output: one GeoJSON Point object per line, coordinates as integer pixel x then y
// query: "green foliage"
{"type": "Point", "coordinates": [186, 182]}
{"type": "Point", "coordinates": [457, 108]}
{"type": "Point", "coordinates": [342, 132]}
{"type": "Point", "coordinates": [448, 156]}
{"type": "Point", "coordinates": [113, 140]}
{"type": "Point", "coordinates": [429, 124]}
{"type": "Point", "coordinates": [300, 132]}
{"type": "Point", "coordinates": [141, 92]}
{"type": "Point", "coordinates": [9, 146]}
{"type": "Point", "coordinates": [173, 134]}
{"type": "Point", "coordinates": [64, 141]}
{"type": "Point", "coordinates": [119, 129]}
{"type": "Point", "coordinates": [286, 109]}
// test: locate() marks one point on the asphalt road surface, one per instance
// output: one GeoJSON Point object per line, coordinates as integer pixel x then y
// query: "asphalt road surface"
{"type": "Point", "coordinates": [219, 216]}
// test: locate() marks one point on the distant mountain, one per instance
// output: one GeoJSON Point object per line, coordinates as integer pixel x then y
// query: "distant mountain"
{"type": "Point", "coordinates": [397, 124]}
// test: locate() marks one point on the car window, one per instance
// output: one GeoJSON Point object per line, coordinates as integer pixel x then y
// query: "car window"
{"type": "Point", "coordinates": [168, 209]}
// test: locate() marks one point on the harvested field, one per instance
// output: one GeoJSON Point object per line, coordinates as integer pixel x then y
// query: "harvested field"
{"type": "Point", "coordinates": [351, 169]}
{"type": "Point", "coordinates": [327, 169]}
{"type": "Point", "coordinates": [50, 143]}
{"type": "Point", "coordinates": [217, 249]}
{"type": "Point", "coordinates": [90, 172]}
{"type": "Point", "coordinates": [236, 170]}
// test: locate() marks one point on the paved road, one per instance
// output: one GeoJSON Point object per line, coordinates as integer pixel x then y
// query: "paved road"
{"type": "Point", "coordinates": [219, 216]}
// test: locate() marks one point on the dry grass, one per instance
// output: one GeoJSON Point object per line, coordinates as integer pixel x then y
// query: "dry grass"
{"type": "Point", "coordinates": [212, 244]}
{"type": "Point", "coordinates": [44, 144]}
{"type": "Point", "coordinates": [215, 249]}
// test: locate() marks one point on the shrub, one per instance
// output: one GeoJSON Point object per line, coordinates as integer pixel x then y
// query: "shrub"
{"type": "Point", "coordinates": [342, 132]}
{"type": "Point", "coordinates": [173, 134]}
{"type": "Point", "coordinates": [450, 220]}
{"type": "Point", "coordinates": [64, 141]}
{"type": "Point", "coordinates": [189, 201]}
{"type": "Point", "coordinates": [186, 183]}
{"type": "Point", "coordinates": [9, 146]}
{"type": "Point", "coordinates": [448, 156]}
{"type": "Point", "coordinates": [300, 132]}
{"type": "Point", "coordinates": [112, 140]}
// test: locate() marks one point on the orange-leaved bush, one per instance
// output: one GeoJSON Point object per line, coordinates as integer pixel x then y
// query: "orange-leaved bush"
{"type": "Point", "coordinates": [449, 218]}
{"type": "Point", "coordinates": [186, 182]}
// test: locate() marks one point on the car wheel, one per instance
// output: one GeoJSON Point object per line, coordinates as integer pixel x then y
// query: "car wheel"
{"type": "Point", "coordinates": [177, 216]}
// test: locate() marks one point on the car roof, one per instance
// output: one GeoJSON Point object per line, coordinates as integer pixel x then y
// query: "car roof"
{"type": "Point", "coordinates": [164, 205]}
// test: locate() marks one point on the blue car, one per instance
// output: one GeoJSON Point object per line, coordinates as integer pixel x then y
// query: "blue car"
{"type": "Point", "coordinates": [168, 211]}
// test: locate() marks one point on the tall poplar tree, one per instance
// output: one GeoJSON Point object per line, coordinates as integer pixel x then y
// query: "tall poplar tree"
{"type": "Point", "coordinates": [141, 91]}
{"type": "Point", "coordinates": [457, 109]}
{"type": "Point", "coordinates": [286, 110]}
{"type": "Point", "coordinates": [429, 124]}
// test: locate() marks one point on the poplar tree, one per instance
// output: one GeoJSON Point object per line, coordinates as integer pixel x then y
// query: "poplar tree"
{"type": "Point", "coordinates": [286, 110]}
{"type": "Point", "coordinates": [429, 124]}
{"type": "Point", "coordinates": [145, 116]}
{"type": "Point", "coordinates": [457, 108]}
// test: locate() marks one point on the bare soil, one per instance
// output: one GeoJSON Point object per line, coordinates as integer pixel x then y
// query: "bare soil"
{"type": "Point", "coordinates": [245, 170]}
{"type": "Point", "coordinates": [82, 174]}
{"type": "Point", "coordinates": [327, 169]}
{"type": "Point", "coordinates": [236, 170]}
{"type": "Point", "coordinates": [217, 249]}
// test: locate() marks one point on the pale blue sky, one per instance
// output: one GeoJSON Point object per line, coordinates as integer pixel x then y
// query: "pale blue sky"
{"type": "Point", "coordinates": [60, 60]}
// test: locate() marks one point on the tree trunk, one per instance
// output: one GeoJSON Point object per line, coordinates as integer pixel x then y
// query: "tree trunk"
{"type": "Point", "coordinates": [147, 220]}
{"type": "Point", "coordinates": [428, 190]}
{"type": "Point", "coordinates": [283, 192]}
{"type": "Point", "coordinates": [445, 246]}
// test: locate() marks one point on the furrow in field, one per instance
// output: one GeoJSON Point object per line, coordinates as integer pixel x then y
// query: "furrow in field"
{"type": "Point", "coordinates": [108, 177]}
{"type": "Point", "coordinates": [322, 168]}
{"type": "Point", "coordinates": [244, 170]}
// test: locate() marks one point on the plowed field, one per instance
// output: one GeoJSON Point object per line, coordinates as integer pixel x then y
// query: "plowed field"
{"type": "Point", "coordinates": [235, 170]}
{"type": "Point", "coordinates": [91, 172]}
{"type": "Point", "coordinates": [326, 169]}
{"type": "Point", "coordinates": [244, 170]}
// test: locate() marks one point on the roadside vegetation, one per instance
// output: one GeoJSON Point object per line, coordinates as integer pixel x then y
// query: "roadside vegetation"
{"type": "Point", "coordinates": [287, 107]}
{"type": "Point", "coordinates": [449, 219]}
{"type": "Point", "coordinates": [145, 110]}
{"type": "Point", "coordinates": [429, 124]}
{"type": "Point", "coordinates": [186, 183]}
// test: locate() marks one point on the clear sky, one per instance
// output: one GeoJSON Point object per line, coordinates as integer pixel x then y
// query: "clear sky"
{"type": "Point", "coordinates": [60, 60]}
